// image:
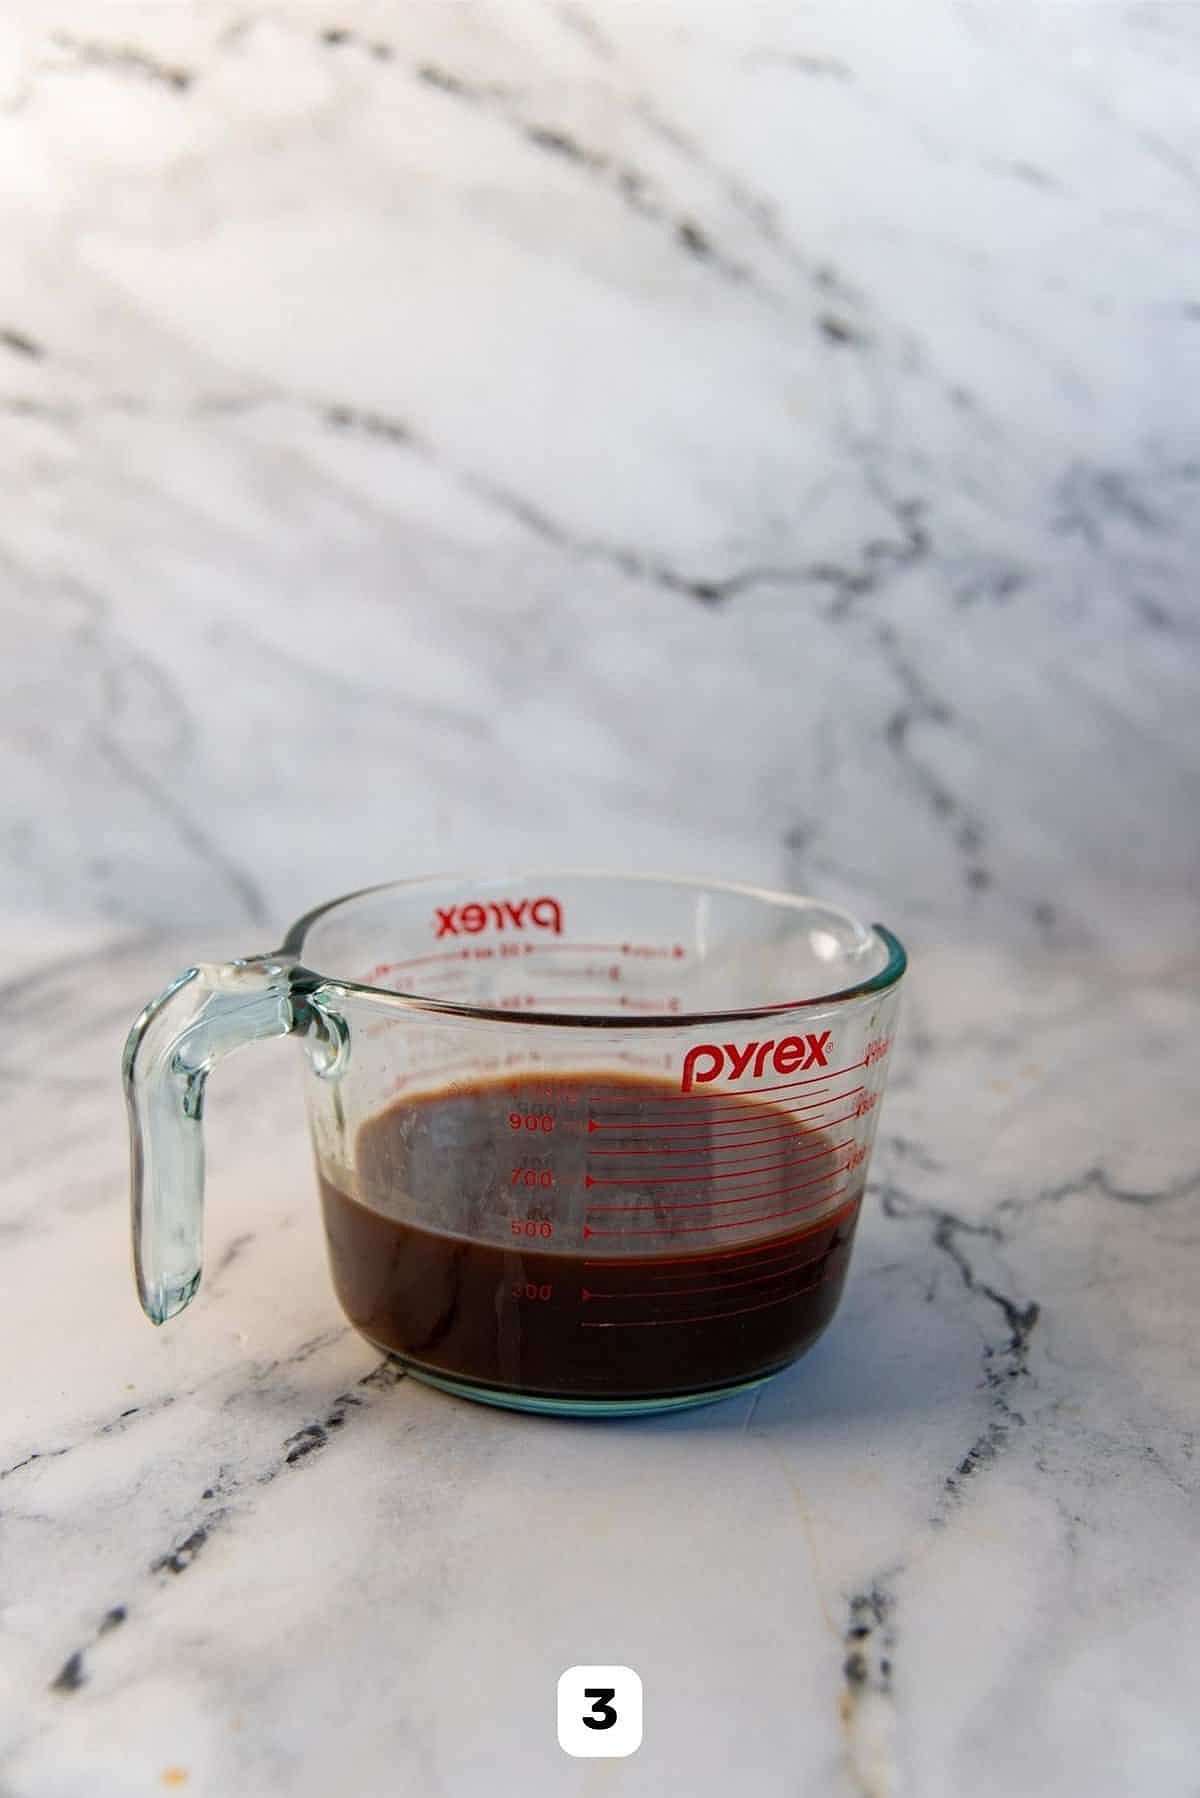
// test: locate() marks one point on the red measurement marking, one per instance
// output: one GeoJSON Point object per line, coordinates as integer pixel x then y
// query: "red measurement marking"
{"type": "Point", "coordinates": [661, 1292]}
{"type": "Point", "coordinates": [543, 1087]}
{"type": "Point", "coordinates": [604, 1002]}
{"type": "Point", "coordinates": [704, 1129]}
{"type": "Point", "coordinates": [739, 1223]}
{"type": "Point", "coordinates": [751, 1171]}
{"type": "Point", "coordinates": [609, 1001]}
{"type": "Point", "coordinates": [627, 1263]}
{"type": "Point", "coordinates": [705, 1317]}
{"type": "Point", "coordinates": [548, 1001]}
{"type": "Point", "coordinates": [532, 1120]}
{"type": "Point", "coordinates": [741, 1198]}
{"type": "Point", "coordinates": [740, 1143]}
{"type": "Point", "coordinates": [739, 1114]}
{"type": "Point", "coordinates": [417, 961]}
{"type": "Point", "coordinates": [625, 1002]}
{"type": "Point", "coordinates": [751, 1092]}
{"type": "Point", "coordinates": [676, 951]}
{"type": "Point", "coordinates": [572, 948]}
{"type": "Point", "coordinates": [700, 1263]}
{"type": "Point", "coordinates": [693, 1149]}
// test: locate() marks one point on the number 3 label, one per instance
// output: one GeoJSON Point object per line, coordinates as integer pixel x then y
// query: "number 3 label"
{"type": "Point", "coordinates": [599, 1711]}
{"type": "Point", "coordinates": [603, 1716]}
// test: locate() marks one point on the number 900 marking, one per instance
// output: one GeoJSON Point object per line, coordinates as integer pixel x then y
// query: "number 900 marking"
{"type": "Point", "coordinates": [532, 1120]}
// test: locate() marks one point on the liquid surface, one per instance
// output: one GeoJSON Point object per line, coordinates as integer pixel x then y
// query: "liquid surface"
{"type": "Point", "coordinates": [593, 1237]}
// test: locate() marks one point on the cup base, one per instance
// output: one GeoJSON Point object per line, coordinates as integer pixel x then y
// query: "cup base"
{"type": "Point", "coordinates": [575, 1407]}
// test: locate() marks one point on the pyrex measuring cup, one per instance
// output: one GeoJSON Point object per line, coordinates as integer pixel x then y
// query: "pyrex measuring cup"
{"type": "Point", "coordinates": [585, 1143]}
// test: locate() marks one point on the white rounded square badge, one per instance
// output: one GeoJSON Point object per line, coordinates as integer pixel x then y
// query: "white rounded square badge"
{"type": "Point", "coordinates": [599, 1711]}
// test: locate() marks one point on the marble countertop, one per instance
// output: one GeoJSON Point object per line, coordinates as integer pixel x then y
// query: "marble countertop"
{"type": "Point", "coordinates": [954, 1549]}
{"type": "Point", "coordinates": [757, 441]}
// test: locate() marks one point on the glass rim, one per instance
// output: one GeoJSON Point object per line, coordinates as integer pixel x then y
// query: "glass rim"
{"type": "Point", "coordinates": [889, 975]}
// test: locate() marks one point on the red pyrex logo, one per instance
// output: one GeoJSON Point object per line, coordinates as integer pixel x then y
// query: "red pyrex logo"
{"type": "Point", "coordinates": [454, 920]}
{"type": "Point", "coordinates": [708, 1060]}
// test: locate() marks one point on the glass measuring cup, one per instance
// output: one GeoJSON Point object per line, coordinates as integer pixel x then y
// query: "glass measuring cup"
{"type": "Point", "coordinates": [585, 1143]}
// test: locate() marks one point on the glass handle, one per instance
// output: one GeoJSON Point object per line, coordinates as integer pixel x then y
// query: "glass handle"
{"type": "Point", "coordinates": [208, 1011]}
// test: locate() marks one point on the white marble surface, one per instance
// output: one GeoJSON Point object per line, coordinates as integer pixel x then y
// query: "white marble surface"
{"type": "Point", "coordinates": [755, 440]}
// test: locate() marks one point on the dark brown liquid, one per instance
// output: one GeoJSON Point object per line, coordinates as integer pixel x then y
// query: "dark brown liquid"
{"type": "Point", "coordinates": [592, 1237]}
